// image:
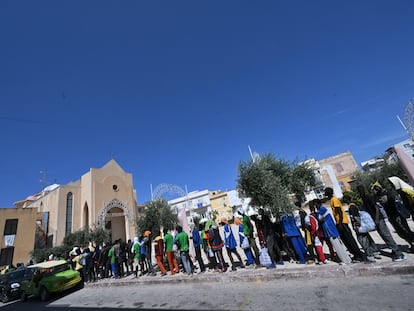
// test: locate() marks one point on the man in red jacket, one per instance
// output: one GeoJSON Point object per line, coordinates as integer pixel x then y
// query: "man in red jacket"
{"type": "Point", "coordinates": [159, 254]}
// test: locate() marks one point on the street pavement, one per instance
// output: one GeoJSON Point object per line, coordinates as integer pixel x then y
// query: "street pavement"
{"type": "Point", "coordinates": [382, 267]}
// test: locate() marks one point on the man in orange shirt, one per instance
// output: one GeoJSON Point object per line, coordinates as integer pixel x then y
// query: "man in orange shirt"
{"type": "Point", "coordinates": [342, 221]}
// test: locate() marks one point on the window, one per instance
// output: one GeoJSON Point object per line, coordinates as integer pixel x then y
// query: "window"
{"type": "Point", "coordinates": [10, 228]}
{"type": "Point", "coordinates": [69, 207]}
{"type": "Point", "coordinates": [6, 256]}
{"type": "Point", "coordinates": [338, 167]}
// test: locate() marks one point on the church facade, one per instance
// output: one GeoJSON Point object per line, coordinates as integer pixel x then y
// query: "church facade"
{"type": "Point", "coordinates": [101, 197]}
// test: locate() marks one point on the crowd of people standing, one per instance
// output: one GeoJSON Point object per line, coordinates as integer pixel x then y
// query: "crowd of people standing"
{"type": "Point", "coordinates": [258, 240]}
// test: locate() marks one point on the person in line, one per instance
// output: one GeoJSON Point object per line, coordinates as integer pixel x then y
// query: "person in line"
{"type": "Point", "coordinates": [136, 255]}
{"type": "Point", "coordinates": [316, 233]}
{"type": "Point", "coordinates": [406, 193]}
{"type": "Point", "coordinates": [169, 251]}
{"type": "Point", "coordinates": [269, 233]}
{"type": "Point", "coordinates": [112, 260]}
{"type": "Point", "coordinates": [247, 251]}
{"type": "Point", "coordinates": [342, 221]}
{"type": "Point", "coordinates": [308, 236]}
{"type": "Point", "coordinates": [331, 233]}
{"type": "Point", "coordinates": [258, 223]}
{"type": "Point", "coordinates": [182, 240]}
{"type": "Point", "coordinates": [197, 242]}
{"type": "Point", "coordinates": [77, 259]}
{"type": "Point", "coordinates": [394, 210]}
{"type": "Point", "coordinates": [148, 252]}
{"type": "Point", "coordinates": [362, 223]}
{"type": "Point", "coordinates": [231, 244]}
{"type": "Point", "coordinates": [159, 253]}
{"type": "Point", "coordinates": [249, 234]}
{"type": "Point", "coordinates": [217, 244]}
{"type": "Point", "coordinates": [374, 210]}
{"type": "Point", "coordinates": [211, 257]}
{"type": "Point", "coordinates": [292, 233]}
{"type": "Point", "coordinates": [143, 257]}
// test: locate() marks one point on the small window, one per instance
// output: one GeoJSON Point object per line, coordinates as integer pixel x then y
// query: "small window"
{"type": "Point", "coordinates": [6, 256]}
{"type": "Point", "coordinates": [10, 227]}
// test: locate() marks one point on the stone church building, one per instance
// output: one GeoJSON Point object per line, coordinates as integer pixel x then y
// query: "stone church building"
{"type": "Point", "coordinates": [103, 196]}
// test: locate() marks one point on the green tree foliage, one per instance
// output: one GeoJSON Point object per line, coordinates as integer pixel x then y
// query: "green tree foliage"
{"type": "Point", "coordinates": [95, 235]}
{"type": "Point", "coordinates": [157, 215]}
{"type": "Point", "coordinates": [380, 175]}
{"type": "Point", "coordinates": [271, 182]}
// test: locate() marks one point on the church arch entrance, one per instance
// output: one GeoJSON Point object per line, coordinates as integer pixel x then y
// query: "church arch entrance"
{"type": "Point", "coordinates": [115, 217]}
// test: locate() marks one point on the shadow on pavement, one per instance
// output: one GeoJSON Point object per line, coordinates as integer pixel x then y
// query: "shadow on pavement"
{"type": "Point", "coordinates": [43, 306]}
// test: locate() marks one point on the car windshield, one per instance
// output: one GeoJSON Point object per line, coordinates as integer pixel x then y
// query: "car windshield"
{"type": "Point", "coordinates": [55, 269]}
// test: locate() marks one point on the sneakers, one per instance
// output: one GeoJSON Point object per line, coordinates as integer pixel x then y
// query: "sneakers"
{"type": "Point", "coordinates": [399, 258]}
{"type": "Point", "coordinates": [377, 256]}
{"type": "Point", "coordinates": [371, 259]}
{"type": "Point", "coordinates": [272, 266]}
{"type": "Point", "coordinates": [280, 262]}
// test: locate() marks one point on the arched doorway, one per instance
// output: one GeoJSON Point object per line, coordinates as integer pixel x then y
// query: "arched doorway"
{"type": "Point", "coordinates": [116, 218]}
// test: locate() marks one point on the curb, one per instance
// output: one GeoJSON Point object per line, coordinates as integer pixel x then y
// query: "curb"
{"type": "Point", "coordinates": [258, 275]}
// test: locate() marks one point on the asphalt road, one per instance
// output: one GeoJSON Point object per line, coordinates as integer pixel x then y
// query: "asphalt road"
{"type": "Point", "coordinates": [392, 292]}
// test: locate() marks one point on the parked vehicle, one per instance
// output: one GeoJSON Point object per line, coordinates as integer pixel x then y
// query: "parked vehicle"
{"type": "Point", "coordinates": [10, 284]}
{"type": "Point", "coordinates": [50, 277]}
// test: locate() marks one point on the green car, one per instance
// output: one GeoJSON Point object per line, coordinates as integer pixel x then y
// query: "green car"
{"type": "Point", "coordinates": [50, 277]}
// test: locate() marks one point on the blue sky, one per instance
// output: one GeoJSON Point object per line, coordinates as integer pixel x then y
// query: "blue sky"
{"type": "Point", "coordinates": [175, 91]}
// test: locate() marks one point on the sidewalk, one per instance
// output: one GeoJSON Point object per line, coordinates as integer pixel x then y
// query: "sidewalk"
{"type": "Point", "coordinates": [384, 266]}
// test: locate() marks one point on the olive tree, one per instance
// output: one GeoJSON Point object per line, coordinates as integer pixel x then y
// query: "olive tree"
{"type": "Point", "coordinates": [158, 214]}
{"type": "Point", "coordinates": [381, 175]}
{"type": "Point", "coordinates": [274, 184]}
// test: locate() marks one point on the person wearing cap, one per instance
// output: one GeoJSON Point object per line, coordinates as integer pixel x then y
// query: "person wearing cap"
{"type": "Point", "coordinates": [406, 193]}
{"type": "Point", "coordinates": [371, 206]}
{"type": "Point", "coordinates": [231, 244]}
{"type": "Point", "coordinates": [217, 245]}
{"type": "Point", "coordinates": [398, 221]}
{"type": "Point", "coordinates": [159, 254]}
{"type": "Point", "coordinates": [247, 251]}
{"type": "Point", "coordinates": [148, 249]}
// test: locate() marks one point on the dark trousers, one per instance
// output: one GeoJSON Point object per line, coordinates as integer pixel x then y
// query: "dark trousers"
{"type": "Point", "coordinates": [349, 241]}
{"type": "Point", "coordinates": [199, 258]}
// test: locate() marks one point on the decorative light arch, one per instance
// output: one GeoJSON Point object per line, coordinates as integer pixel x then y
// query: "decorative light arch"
{"type": "Point", "coordinates": [114, 203]}
{"type": "Point", "coordinates": [167, 188]}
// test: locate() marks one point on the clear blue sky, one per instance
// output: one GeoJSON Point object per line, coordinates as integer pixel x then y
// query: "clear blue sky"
{"type": "Point", "coordinates": [175, 91]}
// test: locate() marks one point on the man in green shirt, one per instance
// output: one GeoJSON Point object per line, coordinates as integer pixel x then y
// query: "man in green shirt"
{"type": "Point", "coordinates": [112, 259]}
{"type": "Point", "coordinates": [172, 261]}
{"type": "Point", "coordinates": [136, 253]}
{"type": "Point", "coordinates": [181, 239]}
{"type": "Point", "coordinates": [248, 232]}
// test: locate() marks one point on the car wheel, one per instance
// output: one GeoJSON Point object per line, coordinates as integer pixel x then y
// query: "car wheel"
{"type": "Point", "coordinates": [44, 294]}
